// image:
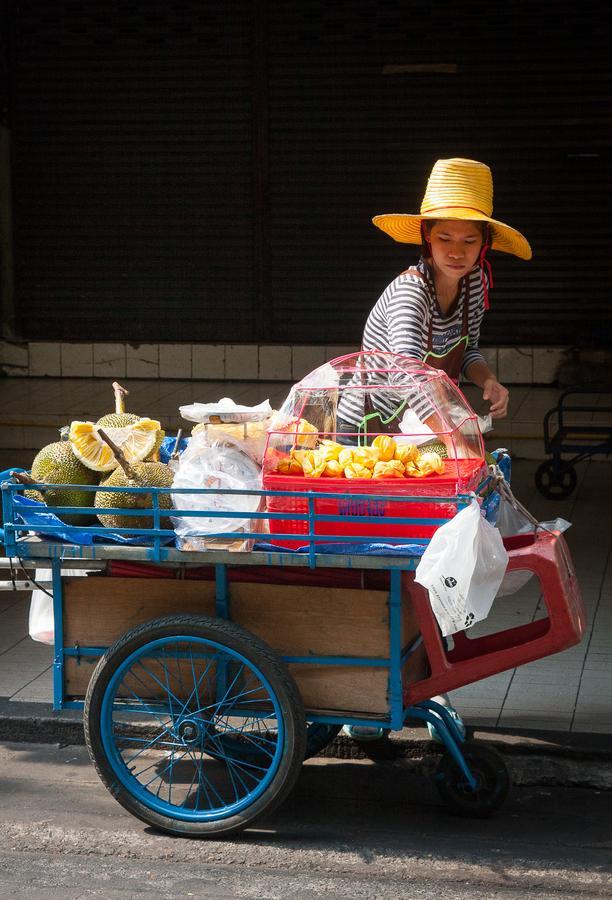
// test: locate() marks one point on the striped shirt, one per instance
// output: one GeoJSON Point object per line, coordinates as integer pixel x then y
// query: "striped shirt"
{"type": "Point", "coordinates": [400, 323]}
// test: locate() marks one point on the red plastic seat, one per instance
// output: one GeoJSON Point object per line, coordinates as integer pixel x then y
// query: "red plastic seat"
{"type": "Point", "coordinates": [472, 659]}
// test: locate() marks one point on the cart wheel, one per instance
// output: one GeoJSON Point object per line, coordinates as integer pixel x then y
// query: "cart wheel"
{"type": "Point", "coordinates": [489, 769]}
{"type": "Point", "coordinates": [318, 736]}
{"type": "Point", "coordinates": [555, 481]}
{"type": "Point", "coordinates": [194, 725]}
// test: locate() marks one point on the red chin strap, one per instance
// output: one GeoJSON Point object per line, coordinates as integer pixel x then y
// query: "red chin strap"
{"type": "Point", "coordinates": [482, 262]}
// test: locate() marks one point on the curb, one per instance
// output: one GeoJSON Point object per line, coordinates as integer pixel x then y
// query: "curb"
{"type": "Point", "coordinates": [530, 763]}
{"type": "Point", "coordinates": [40, 723]}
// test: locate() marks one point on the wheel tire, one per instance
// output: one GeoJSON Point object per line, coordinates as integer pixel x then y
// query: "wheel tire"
{"type": "Point", "coordinates": [318, 736]}
{"type": "Point", "coordinates": [243, 752]}
{"type": "Point", "coordinates": [488, 767]}
{"type": "Point", "coordinates": [556, 482]}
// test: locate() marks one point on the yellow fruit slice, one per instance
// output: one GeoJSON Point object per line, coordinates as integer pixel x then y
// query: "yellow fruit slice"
{"type": "Point", "coordinates": [140, 439]}
{"type": "Point", "coordinates": [136, 441]}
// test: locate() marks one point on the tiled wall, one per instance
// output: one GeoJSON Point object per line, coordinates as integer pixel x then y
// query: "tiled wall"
{"type": "Point", "coordinates": [240, 362]}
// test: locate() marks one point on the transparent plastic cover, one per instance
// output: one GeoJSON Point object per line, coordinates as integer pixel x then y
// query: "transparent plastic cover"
{"type": "Point", "coordinates": [354, 400]}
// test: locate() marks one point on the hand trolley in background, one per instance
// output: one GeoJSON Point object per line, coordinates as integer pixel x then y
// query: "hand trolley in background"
{"type": "Point", "coordinates": [556, 478]}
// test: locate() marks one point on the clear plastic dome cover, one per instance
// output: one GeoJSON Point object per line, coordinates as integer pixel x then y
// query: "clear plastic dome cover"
{"type": "Point", "coordinates": [355, 399]}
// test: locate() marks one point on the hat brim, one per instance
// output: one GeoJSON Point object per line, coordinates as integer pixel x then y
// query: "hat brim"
{"type": "Point", "coordinates": [407, 229]}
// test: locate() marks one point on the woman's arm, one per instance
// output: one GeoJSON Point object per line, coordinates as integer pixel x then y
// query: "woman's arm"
{"type": "Point", "coordinates": [481, 375]}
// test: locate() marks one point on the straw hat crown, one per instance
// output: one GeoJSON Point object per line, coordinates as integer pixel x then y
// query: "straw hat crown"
{"type": "Point", "coordinates": [457, 189]}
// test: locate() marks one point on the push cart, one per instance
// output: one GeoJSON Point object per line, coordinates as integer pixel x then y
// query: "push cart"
{"type": "Point", "coordinates": [567, 432]}
{"type": "Point", "coordinates": [206, 677]}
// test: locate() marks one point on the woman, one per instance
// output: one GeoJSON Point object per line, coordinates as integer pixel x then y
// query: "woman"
{"type": "Point", "coordinates": [433, 311]}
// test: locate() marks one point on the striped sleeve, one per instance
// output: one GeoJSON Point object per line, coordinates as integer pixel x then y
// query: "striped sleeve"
{"type": "Point", "coordinates": [399, 322]}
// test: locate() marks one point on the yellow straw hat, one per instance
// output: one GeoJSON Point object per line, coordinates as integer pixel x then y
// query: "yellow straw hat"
{"type": "Point", "coordinates": [457, 189]}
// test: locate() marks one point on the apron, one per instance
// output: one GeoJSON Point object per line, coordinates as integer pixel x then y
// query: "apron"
{"type": "Point", "coordinates": [450, 362]}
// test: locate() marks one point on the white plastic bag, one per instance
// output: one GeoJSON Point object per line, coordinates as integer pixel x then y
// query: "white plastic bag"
{"type": "Point", "coordinates": [416, 430]}
{"type": "Point", "coordinates": [221, 467]}
{"type": "Point", "coordinates": [462, 568]}
{"type": "Point", "coordinates": [41, 617]}
{"type": "Point", "coordinates": [225, 410]}
{"type": "Point", "coordinates": [512, 521]}
{"type": "Point", "coordinates": [41, 625]}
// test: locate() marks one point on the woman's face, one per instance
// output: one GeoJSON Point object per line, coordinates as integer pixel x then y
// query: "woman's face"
{"type": "Point", "coordinates": [455, 246]}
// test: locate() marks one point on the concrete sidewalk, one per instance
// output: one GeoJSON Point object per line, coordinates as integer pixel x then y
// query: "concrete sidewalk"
{"type": "Point", "coordinates": [567, 695]}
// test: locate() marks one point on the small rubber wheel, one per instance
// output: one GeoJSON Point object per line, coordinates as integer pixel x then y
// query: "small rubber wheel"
{"type": "Point", "coordinates": [318, 736]}
{"type": "Point", "coordinates": [488, 768]}
{"type": "Point", "coordinates": [555, 481]}
{"type": "Point", "coordinates": [195, 725]}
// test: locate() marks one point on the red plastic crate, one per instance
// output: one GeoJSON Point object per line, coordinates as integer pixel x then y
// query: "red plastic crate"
{"type": "Point", "coordinates": [460, 476]}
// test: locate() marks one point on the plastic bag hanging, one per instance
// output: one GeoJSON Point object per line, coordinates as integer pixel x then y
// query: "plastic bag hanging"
{"type": "Point", "coordinates": [462, 568]}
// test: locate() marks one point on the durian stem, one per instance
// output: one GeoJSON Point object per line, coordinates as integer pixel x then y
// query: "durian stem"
{"type": "Point", "coordinates": [23, 478]}
{"type": "Point", "coordinates": [120, 395]}
{"type": "Point", "coordinates": [119, 456]}
{"type": "Point", "coordinates": [175, 450]}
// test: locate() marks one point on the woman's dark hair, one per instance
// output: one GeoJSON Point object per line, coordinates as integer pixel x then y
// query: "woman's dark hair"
{"type": "Point", "coordinates": [428, 224]}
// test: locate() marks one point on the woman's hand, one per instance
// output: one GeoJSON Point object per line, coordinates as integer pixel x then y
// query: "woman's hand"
{"type": "Point", "coordinates": [498, 396]}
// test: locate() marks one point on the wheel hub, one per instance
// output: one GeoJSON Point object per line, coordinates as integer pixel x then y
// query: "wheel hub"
{"type": "Point", "coordinates": [191, 731]}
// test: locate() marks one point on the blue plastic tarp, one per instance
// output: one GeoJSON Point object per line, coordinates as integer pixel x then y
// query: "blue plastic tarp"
{"type": "Point", "coordinates": [33, 514]}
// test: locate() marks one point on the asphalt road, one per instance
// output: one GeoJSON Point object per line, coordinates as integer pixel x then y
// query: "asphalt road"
{"type": "Point", "coordinates": [352, 829]}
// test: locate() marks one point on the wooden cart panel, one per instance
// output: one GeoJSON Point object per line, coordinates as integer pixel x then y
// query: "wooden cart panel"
{"type": "Point", "coordinates": [295, 620]}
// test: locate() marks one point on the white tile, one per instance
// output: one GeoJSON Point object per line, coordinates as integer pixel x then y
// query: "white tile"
{"type": "Point", "coordinates": [336, 350]}
{"type": "Point", "coordinates": [306, 358]}
{"type": "Point", "coordinates": [14, 355]}
{"type": "Point", "coordinates": [45, 359]}
{"type": "Point", "coordinates": [34, 438]}
{"type": "Point", "coordinates": [77, 360]}
{"type": "Point", "coordinates": [484, 720]}
{"type": "Point", "coordinates": [552, 698]}
{"type": "Point", "coordinates": [208, 361]}
{"type": "Point", "coordinates": [591, 724]}
{"type": "Point", "coordinates": [546, 362]}
{"type": "Point", "coordinates": [274, 362]}
{"type": "Point", "coordinates": [14, 371]}
{"type": "Point", "coordinates": [241, 362]}
{"type": "Point", "coordinates": [515, 365]}
{"type": "Point", "coordinates": [526, 448]}
{"type": "Point", "coordinates": [530, 679]}
{"type": "Point", "coordinates": [462, 703]}
{"type": "Point", "coordinates": [40, 690]}
{"type": "Point", "coordinates": [490, 354]}
{"type": "Point", "coordinates": [142, 360]}
{"type": "Point", "coordinates": [109, 361]}
{"type": "Point", "coordinates": [11, 437]}
{"type": "Point", "coordinates": [528, 718]}
{"type": "Point", "coordinates": [175, 360]}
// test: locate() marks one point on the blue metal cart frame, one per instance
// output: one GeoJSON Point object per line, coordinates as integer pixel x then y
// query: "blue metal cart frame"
{"type": "Point", "coordinates": [20, 546]}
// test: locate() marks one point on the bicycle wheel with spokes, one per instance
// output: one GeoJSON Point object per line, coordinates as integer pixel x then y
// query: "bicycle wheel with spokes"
{"type": "Point", "coordinates": [195, 725]}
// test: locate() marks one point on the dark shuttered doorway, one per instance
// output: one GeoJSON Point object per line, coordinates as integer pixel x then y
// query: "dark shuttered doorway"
{"type": "Point", "coordinates": [208, 171]}
{"type": "Point", "coordinates": [132, 162]}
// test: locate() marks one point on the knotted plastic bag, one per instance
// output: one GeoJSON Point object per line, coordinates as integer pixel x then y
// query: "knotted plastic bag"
{"type": "Point", "coordinates": [462, 568]}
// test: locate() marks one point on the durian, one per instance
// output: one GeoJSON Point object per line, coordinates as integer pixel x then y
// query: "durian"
{"type": "Point", "coordinates": [140, 474]}
{"type": "Point", "coordinates": [57, 464]}
{"type": "Point", "coordinates": [437, 446]}
{"type": "Point", "coordinates": [120, 419]}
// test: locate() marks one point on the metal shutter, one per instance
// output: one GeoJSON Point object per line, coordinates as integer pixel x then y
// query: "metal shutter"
{"type": "Point", "coordinates": [513, 85]}
{"type": "Point", "coordinates": [132, 169]}
{"type": "Point", "coordinates": [194, 171]}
